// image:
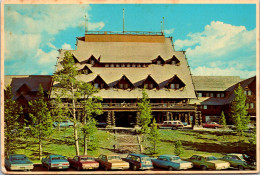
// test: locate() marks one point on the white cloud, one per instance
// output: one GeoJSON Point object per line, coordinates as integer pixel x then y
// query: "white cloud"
{"type": "Point", "coordinates": [66, 46]}
{"type": "Point", "coordinates": [216, 71]}
{"type": "Point", "coordinates": [52, 46]}
{"type": "Point", "coordinates": [217, 39]}
{"type": "Point", "coordinates": [169, 31]}
{"type": "Point", "coordinates": [46, 58]}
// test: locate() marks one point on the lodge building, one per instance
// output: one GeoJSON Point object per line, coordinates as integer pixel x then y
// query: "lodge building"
{"type": "Point", "coordinates": [122, 64]}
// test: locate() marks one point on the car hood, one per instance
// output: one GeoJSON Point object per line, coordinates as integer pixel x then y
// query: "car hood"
{"type": "Point", "coordinates": [217, 161]}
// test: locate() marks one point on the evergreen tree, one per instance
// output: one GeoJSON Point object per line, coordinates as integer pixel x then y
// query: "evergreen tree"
{"type": "Point", "coordinates": [153, 136]}
{"type": "Point", "coordinates": [222, 121]}
{"type": "Point", "coordinates": [68, 87]}
{"type": "Point", "coordinates": [12, 128]}
{"type": "Point", "coordinates": [145, 116]}
{"type": "Point", "coordinates": [41, 120]}
{"type": "Point", "coordinates": [239, 111]}
{"type": "Point", "coordinates": [91, 106]}
{"type": "Point", "coordinates": [178, 148]}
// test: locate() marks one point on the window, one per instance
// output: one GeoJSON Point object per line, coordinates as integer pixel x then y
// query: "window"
{"type": "Point", "coordinates": [172, 86]}
{"type": "Point", "coordinates": [173, 62]}
{"type": "Point", "coordinates": [222, 95]}
{"type": "Point", "coordinates": [207, 94]}
{"type": "Point", "coordinates": [121, 86]}
{"type": "Point", "coordinates": [151, 86]}
{"type": "Point", "coordinates": [125, 86]}
{"type": "Point", "coordinates": [128, 65]}
{"type": "Point", "coordinates": [145, 86]}
{"type": "Point", "coordinates": [92, 62]}
{"type": "Point", "coordinates": [134, 65]}
{"type": "Point", "coordinates": [112, 65]}
{"type": "Point", "coordinates": [199, 94]}
{"type": "Point", "coordinates": [249, 92]}
{"type": "Point", "coordinates": [117, 65]}
{"type": "Point", "coordinates": [211, 94]}
{"type": "Point", "coordinates": [205, 107]}
{"type": "Point", "coordinates": [123, 65]}
{"type": "Point", "coordinates": [138, 65]}
{"type": "Point", "coordinates": [106, 65]}
{"type": "Point", "coordinates": [158, 62]}
{"type": "Point", "coordinates": [85, 71]}
{"type": "Point", "coordinates": [96, 85]}
{"type": "Point", "coordinates": [218, 95]}
{"type": "Point", "coordinates": [245, 93]}
{"type": "Point", "coordinates": [177, 86]}
{"type": "Point", "coordinates": [252, 105]}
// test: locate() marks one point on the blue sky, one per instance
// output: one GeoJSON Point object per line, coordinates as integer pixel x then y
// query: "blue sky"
{"type": "Point", "coordinates": [219, 39]}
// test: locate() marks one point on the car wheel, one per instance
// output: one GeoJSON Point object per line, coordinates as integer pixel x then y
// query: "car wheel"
{"type": "Point", "coordinates": [240, 167]}
{"type": "Point", "coordinates": [170, 168]}
{"type": "Point", "coordinates": [203, 167]}
{"type": "Point", "coordinates": [134, 168]}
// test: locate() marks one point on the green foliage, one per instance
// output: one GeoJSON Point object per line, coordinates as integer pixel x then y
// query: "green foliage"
{"type": "Point", "coordinates": [41, 120]}
{"type": "Point", "coordinates": [12, 127]}
{"type": "Point", "coordinates": [145, 116]}
{"type": "Point", "coordinates": [222, 120]}
{"type": "Point", "coordinates": [154, 136]}
{"type": "Point", "coordinates": [239, 111]}
{"type": "Point", "coordinates": [178, 148]}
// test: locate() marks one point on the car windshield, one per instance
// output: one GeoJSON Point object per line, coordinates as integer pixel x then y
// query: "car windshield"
{"type": "Point", "coordinates": [58, 158]}
{"type": "Point", "coordinates": [18, 158]}
{"type": "Point", "coordinates": [211, 158]}
{"type": "Point", "coordinates": [87, 158]}
{"type": "Point", "coordinates": [174, 158]}
{"type": "Point", "coordinates": [146, 159]}
{"type": "Point", "coordinates": [113, 158]}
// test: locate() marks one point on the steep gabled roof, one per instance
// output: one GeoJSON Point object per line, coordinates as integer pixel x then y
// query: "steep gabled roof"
{"type": "Point", "coordinates": [126, 79]}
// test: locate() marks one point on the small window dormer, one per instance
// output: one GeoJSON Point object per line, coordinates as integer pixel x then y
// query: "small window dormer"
{"type": "Point", "coordinates": [175, 83]}
{"type": "Point", "coordinates": [93, 61]}
{"type": "Point", "coordinates": [124, 83]}
{"type": "Point", "coordinates": [174, 61]}
{"type": "Point", "coordinates": [23, 90]}
{"type": "Point", "coordinates": [75, 59]}
{"type": "Point", "coordinates": [98, 82]}
{"type": "Point", "coordinates": [85, 70]}
{"type": "Point", "coordinates": [149, 83]}
{"type": "Point", "coordinates": [158, 61]}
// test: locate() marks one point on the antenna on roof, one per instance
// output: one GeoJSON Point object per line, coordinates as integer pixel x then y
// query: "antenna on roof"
{"type": "Point", "coordinates": [123, 20]}
{"type": "Point", "coordinates": [86, 29]}
{"type": "Point", "coordinates": [163, 25]}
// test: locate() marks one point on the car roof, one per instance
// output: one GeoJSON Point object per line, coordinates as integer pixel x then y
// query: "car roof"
{"type": "Point", "coordinates": [56, 155]}
{"type": "Point", "coordinates": [168, 155]}
{"type": "Point", "coordinates": [139, 155]}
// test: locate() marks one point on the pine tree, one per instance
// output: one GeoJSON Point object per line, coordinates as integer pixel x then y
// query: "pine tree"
{"type": "Point", "coordinates": [144, 108]}
{"type": "Point", "coordinates": [222, 121]}
{"type": "Point", "coordinates": [91, 106]}
{"type": "Point", "coordinates": [178, 148]}
{"type": "Point", "coordinates": [239, 111]}
{"type": "Point", "coordinates": [68, 87]}
{"type": "Point", "coordinates": [12, 128]}
{"type": "Point", "coordinates": [41, 120]}
{"type": "Point", "coordinates": [153, 135]}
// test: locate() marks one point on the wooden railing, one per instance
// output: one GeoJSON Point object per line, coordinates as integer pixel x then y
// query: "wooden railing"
{"type": "Point", "coordinates": [153, 105]}
{"type": "Point", "coordinates": [125, 32]}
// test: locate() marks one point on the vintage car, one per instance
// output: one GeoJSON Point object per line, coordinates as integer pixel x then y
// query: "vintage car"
{"type": "Point", "coordinates": [84, 162]}
{"type": "Point", "coordinates": [171, 162]}
{"type": "Point", "coordinates": [112, 162]}
{"type": "Point", "coordinates": [65, 123]}
{"type": "Point", "coordinates": [170, 125]}
{"type": "Point", "coordinates": [236, 161]}
{"type": "Point", "coordinates": [212, 125]}
{"type": "Point", "coordinates": [139, 161]}
{"type": "Point", "coordinates": [18, 162]}
{"type": "Point", "coordinates": [55, 161]}
{"type": "Point", "coordinates": [208, 162]}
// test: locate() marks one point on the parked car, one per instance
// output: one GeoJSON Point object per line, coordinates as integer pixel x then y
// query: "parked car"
{"type": "Point", "coordinates": [83, 162]}
{"type": "Point", "coordinates": [55, 161]}
{"type": "Point", "coordinates": [18, 162]}
{"type": "Point", "coordinates": [65, 123]}
{"type": "Point", "coordinates": [112, 162]}
{"type": "Point", "coordinates": [139, 161]}
{"type": "Point", "coordinates": [236, 161]}
{"type": "Point", "coordinates": [171, 162]}
{"type": "Point", "coordinates": [208, 162]}
{"type": "Point", "coordinates": [212, 125]}
{"type": "Point", "coordinates": [170, 124]}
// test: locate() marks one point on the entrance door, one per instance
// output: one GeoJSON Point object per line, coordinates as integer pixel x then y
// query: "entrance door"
{"type": "Point", "coordinates": [125, 119]}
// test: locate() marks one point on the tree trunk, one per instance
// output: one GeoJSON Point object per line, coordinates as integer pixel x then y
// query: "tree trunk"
{"type": "Point", "coordinates": [75, 123]}
{"type": "Point", "coordinates": [40, 149]}
{"type": "Point", "coordinates": [85, 139]}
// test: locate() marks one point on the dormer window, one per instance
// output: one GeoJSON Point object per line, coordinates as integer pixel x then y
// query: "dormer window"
{"type": "Point", "coordinates": [173, 61]}
{"type": "Point", "coordinates": [92, 62]}
{"type": "Point", "coordinates": [96, 85]}
{"type": "Point", "coordinates": [98, 82]}
{"type": "Point", "coordinates": [175, 83]}
{"type": "Point", "coordinates": [159, 62]}
{"type": "Point", "coordinates": [149, 83]}
{"type": "Point", "coordinates": [85, 70]}
{"type": "Point", "coordinates": [146, 86]}
{"type": "Point", "coordinates": [124, 83]}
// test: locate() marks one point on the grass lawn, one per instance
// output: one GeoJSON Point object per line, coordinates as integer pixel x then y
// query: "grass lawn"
{"type": "Point", "coordinates": [194, 142]}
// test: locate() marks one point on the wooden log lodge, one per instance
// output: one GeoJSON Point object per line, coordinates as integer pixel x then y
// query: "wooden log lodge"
{"type": "Point", "coordinates": [122, 64]}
